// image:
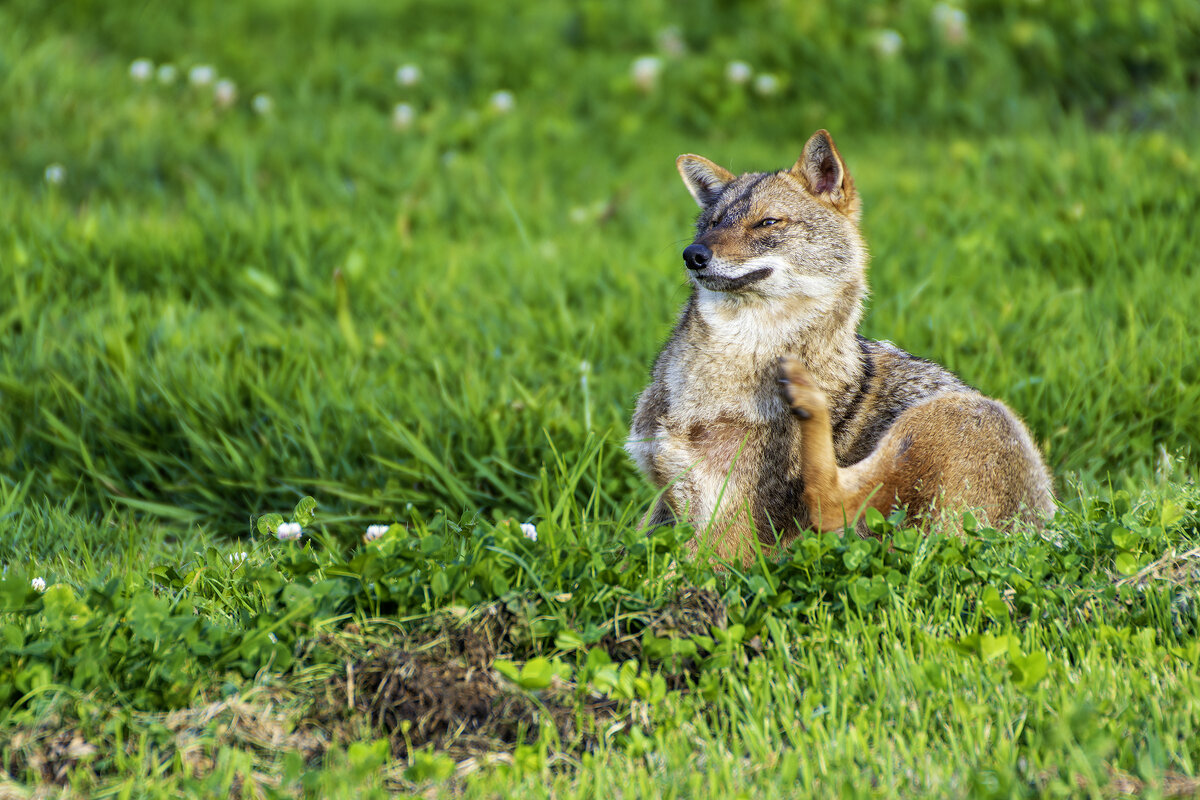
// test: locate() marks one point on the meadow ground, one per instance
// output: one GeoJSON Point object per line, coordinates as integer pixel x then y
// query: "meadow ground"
{"type": "Point", "coordinates": [428, 297]}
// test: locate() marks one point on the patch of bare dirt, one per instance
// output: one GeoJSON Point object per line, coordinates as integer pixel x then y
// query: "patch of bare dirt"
{"type": "Point", "coordinates": [693, 612]}
{"type": "Point", "coordinates": [440, 688]}
{"type": "Point", "coordinates": [443, 691]}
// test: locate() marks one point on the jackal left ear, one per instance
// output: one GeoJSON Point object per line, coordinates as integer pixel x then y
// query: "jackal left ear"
{"type": "Point", "coordinates": [704, 179]}
{"type": "Point", "coordinates": [821, 170]}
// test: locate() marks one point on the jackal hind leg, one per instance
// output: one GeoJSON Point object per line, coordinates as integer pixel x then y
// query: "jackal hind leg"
{"type": "Point", "coordinates": [834, 495]}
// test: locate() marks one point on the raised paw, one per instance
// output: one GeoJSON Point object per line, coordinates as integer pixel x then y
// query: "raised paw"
{"type": "Point", "coordinates": [799, 391]}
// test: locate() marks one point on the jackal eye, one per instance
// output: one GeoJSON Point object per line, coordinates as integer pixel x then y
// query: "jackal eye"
{"type": "Point", "coordinates": [766, 223]}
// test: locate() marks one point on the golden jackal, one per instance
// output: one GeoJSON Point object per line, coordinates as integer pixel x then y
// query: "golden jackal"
{"type": "Point", "coordinates": [768, 413]}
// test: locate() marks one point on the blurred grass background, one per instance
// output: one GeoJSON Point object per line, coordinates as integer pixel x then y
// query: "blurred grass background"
{"type": "Point", "coordinates": [215, 304]}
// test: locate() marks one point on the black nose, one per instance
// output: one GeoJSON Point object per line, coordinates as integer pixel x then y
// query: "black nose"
{"type": "Point", "coordinates": [697, 256]}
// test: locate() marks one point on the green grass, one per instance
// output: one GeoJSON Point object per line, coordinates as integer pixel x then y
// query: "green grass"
{"type": "Point", "coordinates": [218, 312]}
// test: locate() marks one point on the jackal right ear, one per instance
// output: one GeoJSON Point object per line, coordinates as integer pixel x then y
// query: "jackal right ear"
{"type": "Point", "coordinates": [821, 169]}
{"type": "Point", "coordinates": [704, 179]}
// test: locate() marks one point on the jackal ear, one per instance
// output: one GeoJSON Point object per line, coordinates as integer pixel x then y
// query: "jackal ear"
{"type": "Point", "coordinates": [704, 179]}
{"type": "Point", "coordinates": [821, 170]}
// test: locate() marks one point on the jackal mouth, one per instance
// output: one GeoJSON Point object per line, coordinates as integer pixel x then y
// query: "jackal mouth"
{"type": "Point", "coordinates": [719, 283]}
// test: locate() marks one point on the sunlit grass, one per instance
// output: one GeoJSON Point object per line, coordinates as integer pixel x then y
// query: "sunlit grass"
{"type": "Point", "coordinates": [273, 253]}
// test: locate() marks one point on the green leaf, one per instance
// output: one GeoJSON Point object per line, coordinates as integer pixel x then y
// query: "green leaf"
{"type": "Point", "coordinates": [569, 640]}
{"type": "Point", "coordinates": [1171, 513]}
{"type": "Point", "coordinates": [269, 523]}
{"type": "Point", "coordinates": [429, 766]}
{"type": "Point", "coordinates": [605, 679]}
{"type": "Point", "coordinates": [994, 604]}
{"type": "Point", "coordinates": [781, 599]}
{"type": "Point", "coordinates": [656, 690]}
{"type": "Point", "coordinates": [876, 521]}
{"type": "Point", "coordinates": [625, 679]}
{"type": "Point", "coordinates": [597, 657]}
{"type": "Point", "coordinates": [729, 636]}
{"type": "Point", "coordinates": [855, 557]}
{"type": "Point", "coordinates": [12, 636]}
{"type": "Point", "coordinates": [61, 609]}
{"type": "Point", "coordinates": [906, 540]}
{"type": "Point", "coordinates": [1029, 670]}
{"type": "Point", "coordinates": [304, 512]}
{"type": "Point", "coordinates": [986, 646]}
{"type": "Point", "coordinates": [667, 648]}
{"type": "Point", "coordinates": [757, 584]}
{"type": "Point", "coordinates": [366, 757]}
{"type": "Point", "coordinates": [1126, 563]}
{"type": "Point", "coordinates": [1123, 538]}
{"type": "Point", "coordinates": [537, 673]}
{"type": "Point", "coordinates": [991, 647]}
{"type": "Point", "coordinates": [508, 669]}
{"type": "Point", "coordinates": [167, 575]}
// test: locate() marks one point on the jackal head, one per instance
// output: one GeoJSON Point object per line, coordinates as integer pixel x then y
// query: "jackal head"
{"type": "Point", "coordinates": [791, 234]}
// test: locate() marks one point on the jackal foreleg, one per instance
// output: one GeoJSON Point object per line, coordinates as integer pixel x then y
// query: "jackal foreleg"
{"type": "Point", "coordinates": [835, 496]}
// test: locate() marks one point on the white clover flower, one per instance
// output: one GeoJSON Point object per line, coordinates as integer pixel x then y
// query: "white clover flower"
{"type": "Point", "coordinates": [738, 72]}
{"type": "Point", "coordinates": [141, 70]}
{"type": "Point", "coordinates": [887, 43]}
{"type": "Point", "coordinates": [408, 75]}
{"type": "Point", "coordinates": [502, 101]}
{"type": "Point", "coordinates": [374, 532]}
{"type": "Point", "coordinates": [529, 530]}
{"type": "Point", "coordinates": [403, 116]}
{"type": "Point", "coordinates": [645, 72]}
{"type": "Point", "coordinates": [38, 584]}
{"type": "Point", "coordinates": [167, 74]}
{"type": "Point", "coordinates": [766, 84]}
{"type": "Point", "coordinates": [262, 104]}
{"type": "Point", "coordinates": [202, 75]}
{"type": "Point", "coordinates": [951, 22]}
{"type": "Point", "coordinates": [238, 558]}
{"type": "Point", "coordinates": [55, 174]}
{"type": "Point", "coordinates": [670, 41]}
{"type": "Point", "coordinates": [225, 93]}
{"type": "Point", "coordinates": [288, 531]}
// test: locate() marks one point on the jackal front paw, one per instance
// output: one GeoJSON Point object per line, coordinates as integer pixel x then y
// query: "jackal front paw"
{"type": "Point", "coordinates": [799, 391]}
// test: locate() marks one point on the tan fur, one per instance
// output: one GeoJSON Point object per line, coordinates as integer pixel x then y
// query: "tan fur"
{"type": "Point", "coordinates": [858, 423]}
